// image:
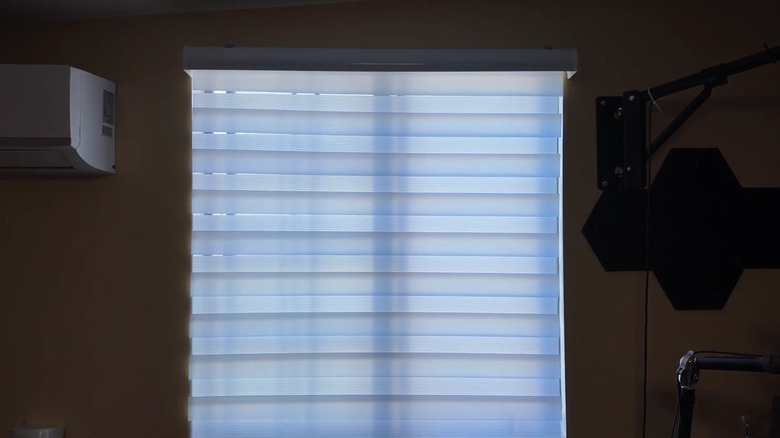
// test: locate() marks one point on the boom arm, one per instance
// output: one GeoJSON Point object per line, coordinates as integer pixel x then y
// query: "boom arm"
{"type": "Point", "coordinates": [620, 121]}
{"type": "Point", "coordinates": [688, 376]}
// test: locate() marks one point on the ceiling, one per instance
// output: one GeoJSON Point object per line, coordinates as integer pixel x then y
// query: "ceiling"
{"type": "Point", "coordinates": [56, 10]}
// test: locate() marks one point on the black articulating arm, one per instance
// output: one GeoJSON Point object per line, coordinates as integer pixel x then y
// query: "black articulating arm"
{"type": "Point", "coordinates": [621, 121]}
{"type": "Point", "coordinates": [688, 375]}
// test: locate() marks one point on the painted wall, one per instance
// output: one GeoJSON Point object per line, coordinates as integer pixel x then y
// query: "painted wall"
{"type": "Point", "coordinates": [94, 273]}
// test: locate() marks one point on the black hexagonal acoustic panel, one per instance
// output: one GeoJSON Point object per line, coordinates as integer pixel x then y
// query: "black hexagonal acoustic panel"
{"type": "Point", "coordinates": [704, 229]}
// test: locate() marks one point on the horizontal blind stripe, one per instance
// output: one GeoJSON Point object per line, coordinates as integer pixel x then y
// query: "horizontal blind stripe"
{"type": "Point", "coordinates": [364, 365]}
{"type": "Point", "coordinates": [373, 144]}
{"type": "Point", "coordinates": [364, 324]}
{"type": "Point", "coordinates": [400, 284]}
{"type": "Point", "coordinates": [310, 163]}
{"type": "Point", "coordinates": [431, 204]}
{"type": "Point", "coordinates": [343, 123]}
{"type": "Point", "coordinates": [383, 83]}
{"type": "Point", "coordinates": [347, 263]}
{"type": "Point", "coordinates": [325, 408]}
{"type": "Point", "coordinates": [292, 243]}
{"type": "Point", "coordinates": [378, 104]}
{"type": "Point", "coordinates": [375, 344]}
{"type": "Point", "coordinates": [362, 304]}
{"type": "Point", "coordinates": [377, 385]}
{"type": "Point", "coordinates": [367, 184]}
{"type": "Point", "coordinates": [450, 428]}
{"type": "Point", "coordinates": [376, 223]}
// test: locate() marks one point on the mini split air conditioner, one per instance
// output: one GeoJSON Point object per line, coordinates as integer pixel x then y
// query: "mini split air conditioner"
{"type": "Point", "coordinates": [55, 119]}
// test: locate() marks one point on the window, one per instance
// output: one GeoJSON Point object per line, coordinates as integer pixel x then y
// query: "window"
{"type": "Point", "coordinates": [375, 253]}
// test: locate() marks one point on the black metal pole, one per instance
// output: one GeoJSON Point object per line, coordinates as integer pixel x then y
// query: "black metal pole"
{"type": "Point", "coordinates": [686, 113]}
{"type": "Point", "coordinates": [738, 363]}
{"type": "Point", "coordinates": [715, 75]}
{"type": "Point", "coordinates": [685, 413]}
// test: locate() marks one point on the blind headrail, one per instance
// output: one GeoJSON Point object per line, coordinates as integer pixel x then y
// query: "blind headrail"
{"type": "Point", "coordinates": [347, 59]}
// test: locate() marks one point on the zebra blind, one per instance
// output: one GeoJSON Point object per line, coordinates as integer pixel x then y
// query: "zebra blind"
{"type": "Point", "coordinates": [376, 254]}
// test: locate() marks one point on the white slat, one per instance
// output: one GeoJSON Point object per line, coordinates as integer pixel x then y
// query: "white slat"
{"type": "Point", "coordinates": [378, 304]}
{"type": "Point", "coordinates": [362, 365]}
{"type": "Point", "coordinates": [382, 283]}
{"type": "Point", "coordinates": [380, 104]}
{"type": "Point", "coordinates": [396, 164]}
{"type": "Point", "coordinates": [371, 144]}
{"type": "Point", "coordinates": [292, 243]}
{"type": "Point", "coordinates": [381, 184]}
{"type": "Point", "coordinates": [349, 123]}
{"type": "Point", "coordinates": [382, 423]}
{"type": "Point", "coordinates": [375, 344]}
{"type": "Point", "coordinates": [383, 83]}
{"type": "Point", "coordinates": [376, 223]}
{"type": "Point", "coordinates": [433, 204]}
{"type": "Point", "coordinates": [356, 386]}
{"type": "Point", "coordinates": [467, 323]}
{"type": "Point", "coordinates": [360, 408]}
{"type": "Point", "coordinates": [379, 263]}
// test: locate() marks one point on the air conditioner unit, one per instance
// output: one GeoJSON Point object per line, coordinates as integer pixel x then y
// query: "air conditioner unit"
{"type": "Point", "coordinates": [55, 119]}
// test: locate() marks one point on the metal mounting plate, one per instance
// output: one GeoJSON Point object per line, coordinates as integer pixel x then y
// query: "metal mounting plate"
{"type": "Point", "coordinates": [609, 141]}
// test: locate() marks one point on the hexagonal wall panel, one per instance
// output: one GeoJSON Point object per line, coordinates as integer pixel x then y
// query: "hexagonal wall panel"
{"type": "Point", "coordinates": [704, 229]}
{"type": "Point", "coordinates": [694, 226]}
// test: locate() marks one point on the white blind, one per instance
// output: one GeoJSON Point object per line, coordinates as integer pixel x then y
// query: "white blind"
{"type": "Point", "coordinates": [376, 254]}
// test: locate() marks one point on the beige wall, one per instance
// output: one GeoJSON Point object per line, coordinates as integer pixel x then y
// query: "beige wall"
{"type": "Point", "coordinates": [94, 273]}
